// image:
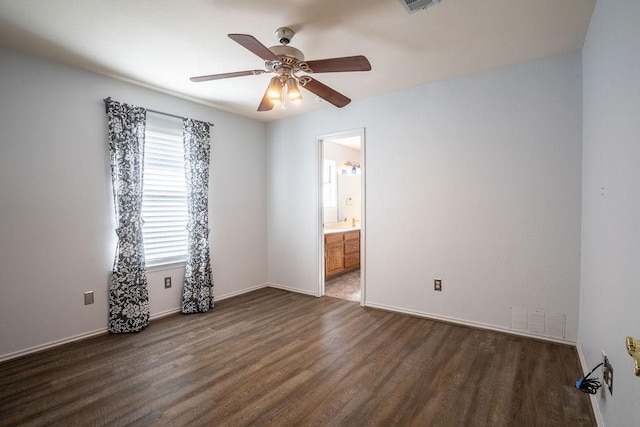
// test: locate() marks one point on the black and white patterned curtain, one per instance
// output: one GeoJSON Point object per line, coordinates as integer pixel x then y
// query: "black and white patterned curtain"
{"type": "Point", "coordinates": [128, 292]}
{"type": "Point", "coordinates": [197, 294]}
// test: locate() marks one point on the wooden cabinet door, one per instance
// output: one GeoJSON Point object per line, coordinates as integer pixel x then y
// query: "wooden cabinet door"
{"type": "Point", "coordinates": [334, 261]}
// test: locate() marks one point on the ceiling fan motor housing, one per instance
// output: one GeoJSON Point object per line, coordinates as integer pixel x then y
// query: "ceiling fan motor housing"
{"type": "Point", "coordinates": [290, 57]}
{"type": "Point", "coordinates": [287, 53]}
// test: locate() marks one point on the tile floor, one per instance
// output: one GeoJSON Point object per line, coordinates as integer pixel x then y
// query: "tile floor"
{"type": "Point", "coordinates": [346, 286]}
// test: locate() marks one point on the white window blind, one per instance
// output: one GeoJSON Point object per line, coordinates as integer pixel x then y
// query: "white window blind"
{"type": "Point", "coordinates": [164, 201]}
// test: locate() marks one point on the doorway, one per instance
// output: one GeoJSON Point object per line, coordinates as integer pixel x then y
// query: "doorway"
{"type": "Point", "coordinates": [342, 215]}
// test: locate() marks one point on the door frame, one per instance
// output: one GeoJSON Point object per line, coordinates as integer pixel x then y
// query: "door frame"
{"type": "Point", "coordinates": [320, 139]}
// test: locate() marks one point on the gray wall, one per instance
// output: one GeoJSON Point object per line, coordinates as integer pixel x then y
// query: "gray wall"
{"type": "Point", "coordinates": [476, 180]}
{"type": "Point", "coordinates": [56, 214]}
{"type": "Point", "coordinates": [610, 287]}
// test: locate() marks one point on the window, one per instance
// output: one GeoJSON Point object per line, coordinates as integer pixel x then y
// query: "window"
{"type": "Point", "coordinates": [329, 184]}
{"type": "Point", "coordinates": [164, 199]}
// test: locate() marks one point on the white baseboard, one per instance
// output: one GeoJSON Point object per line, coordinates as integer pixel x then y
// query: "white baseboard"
{"type": "Point", "coordinates": [165, 313]}
{"type": "Point", "coordinates": [467, 323]}
{"type": "Point", "coordinates": [594, 399]}
{"type": "Point", "coordinates": [240, 292]}
{"type": "Point", "coordinates": [290, 289]}
{"type": "Point", "coordinates": [101, 331]}
{"type": "Point", "coordinates": [52, 344]}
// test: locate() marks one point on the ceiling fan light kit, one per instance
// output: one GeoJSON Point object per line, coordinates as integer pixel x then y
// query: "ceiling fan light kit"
{"type": "Point", "coordinates": [274, 90]}
{"type": "Point", "coordinates": [288, 64]}
{"type": "Point", "coordinates": [293, 92]}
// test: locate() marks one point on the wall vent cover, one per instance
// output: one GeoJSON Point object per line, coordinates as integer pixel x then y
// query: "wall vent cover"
{"type": "Point", "coordinates": [415, 5]}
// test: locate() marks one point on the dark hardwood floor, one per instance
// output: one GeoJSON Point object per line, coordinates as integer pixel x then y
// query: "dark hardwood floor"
{"type": "Point", "coordinates": [279, 358]}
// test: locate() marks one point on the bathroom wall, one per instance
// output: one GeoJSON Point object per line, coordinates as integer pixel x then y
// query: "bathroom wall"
{"type": "Point", "coordinates": [341, 154]}
{"type": "Point", "coordinates": [349, 199]}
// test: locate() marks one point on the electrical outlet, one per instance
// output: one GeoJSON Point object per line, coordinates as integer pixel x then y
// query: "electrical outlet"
{"type": "Point", "coordinates": [88, 297]}
{"type": "Point", "coordinates": [607, 373]}
{"type": "Point", "coordinates": [437, 284]}
{"type": "Point", "coordinates": [167, 282]}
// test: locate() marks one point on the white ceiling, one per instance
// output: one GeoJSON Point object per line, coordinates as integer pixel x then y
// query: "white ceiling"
{"type": "Point", "coordinates": [352, 142]}
{"type": "Point", "coordinates": [161, 43]}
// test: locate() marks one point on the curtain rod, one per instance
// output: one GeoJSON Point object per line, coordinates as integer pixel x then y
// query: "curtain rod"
{"type": "Point", "coordinates": [108, 100]}
{"type": "Point", "coordinates": [164, 114]}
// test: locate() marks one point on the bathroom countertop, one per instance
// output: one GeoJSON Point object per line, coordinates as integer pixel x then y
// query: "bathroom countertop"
{"type": "Point", "coordinates": [341, 230]}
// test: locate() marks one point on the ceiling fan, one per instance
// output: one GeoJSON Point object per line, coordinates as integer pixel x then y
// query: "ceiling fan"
{"type": "Point", "coordinates": [288, 64]}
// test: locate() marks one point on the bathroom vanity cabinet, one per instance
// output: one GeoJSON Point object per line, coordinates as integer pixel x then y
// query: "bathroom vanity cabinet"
{"type": "Point", "coordinates": [342, 252]}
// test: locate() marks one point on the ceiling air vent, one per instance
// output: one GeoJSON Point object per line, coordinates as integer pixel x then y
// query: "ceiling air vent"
{"type": "Point", "coordinates": [416, 5]}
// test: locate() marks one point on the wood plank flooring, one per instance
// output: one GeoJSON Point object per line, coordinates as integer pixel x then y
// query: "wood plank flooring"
{"type": "Point", "coordinates": [279, 358]}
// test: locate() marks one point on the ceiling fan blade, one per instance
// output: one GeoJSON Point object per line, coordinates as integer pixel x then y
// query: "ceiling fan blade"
{"type": "Point", "coordinates": [226, 75]}
{"type": "Point", "coordinates": [325, 92]}
{"type": "Point", "coordinates": [251, 43]}
{"type": "Point", "coordinates": [335, 65]}
{"type": "Point", "coordinates": [265, 104]}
